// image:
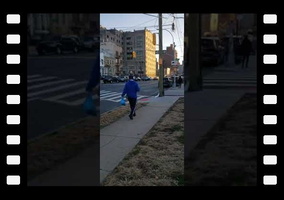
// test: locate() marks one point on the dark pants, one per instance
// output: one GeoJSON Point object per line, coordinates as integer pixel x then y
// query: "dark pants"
{"type": "Point", "coordinates": [132, 103]}
{"type": "Point", "coordinates": [245, 61]}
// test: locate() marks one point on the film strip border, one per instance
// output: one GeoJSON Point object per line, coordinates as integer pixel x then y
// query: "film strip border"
{"type": "Point", "coordinates": [13, 99]}
{"type": "Point", "coordinates": [269, 90]}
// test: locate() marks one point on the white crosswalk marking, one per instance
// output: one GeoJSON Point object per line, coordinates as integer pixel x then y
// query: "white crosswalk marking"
{"type": "Point", "coordinates": [57, 88]}
{"type": "Point", "coordinates": [226, 80]}
{"type": "Point", "coordinates": [64, 91]}
{"type": "Point", "coordinates": [33, 76]}
{"type": "Point", "coordinates": [49, 83]}
{"type": "Point", "coordinates": [64, 95]}
{"type": "Point", "coordinates": [41, 79]}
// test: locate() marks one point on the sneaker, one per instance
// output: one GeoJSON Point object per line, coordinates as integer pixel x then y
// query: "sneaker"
{"type": "Point", "coordinates": [134, 114]}
{"type": "Point", "coordinates": [130, 116]}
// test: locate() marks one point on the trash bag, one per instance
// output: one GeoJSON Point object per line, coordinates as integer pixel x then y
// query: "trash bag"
{"type": "Point", "coordinates": [89, 105]}
{"type": "Point", "coordinates": [122, 101]}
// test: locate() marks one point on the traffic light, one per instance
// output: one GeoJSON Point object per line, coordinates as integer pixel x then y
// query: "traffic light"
{"type": "Point", "coordinates": [133, 54]}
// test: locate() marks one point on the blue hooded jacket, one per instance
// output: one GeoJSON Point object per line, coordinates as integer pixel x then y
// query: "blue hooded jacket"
{"type": "Point", "coordinates": [95, 75]}
{"type": "Point", "coordinates": [130, 89]}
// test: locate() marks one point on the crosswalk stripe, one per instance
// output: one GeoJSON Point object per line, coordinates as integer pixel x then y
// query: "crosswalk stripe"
{"type": "Point", "coordinates": [42, 79]}
{"type": "Point", "coordinates": [56, 89]}
{"type": "Point", "coordinates": [34, 76]}
{"type": "Point", "coordinates": [49, 83]}
{"type": "Point", "coordinates": [68, 94]}
{"type": "Point", "coordinates": [110, 95]}
{"type": "Point", "coordinates": [229, 81]}
{"type": "Point", "coordinates": [141, 97]}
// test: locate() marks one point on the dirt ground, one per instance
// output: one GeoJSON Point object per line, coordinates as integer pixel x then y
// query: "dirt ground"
{"type": "Point", "coordinates": [158, 159]}
{"type": "Point", "coordinates": [227, 155]}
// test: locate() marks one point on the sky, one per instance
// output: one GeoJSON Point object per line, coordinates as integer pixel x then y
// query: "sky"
{"type": "Point", "coordinates": [138, 21]}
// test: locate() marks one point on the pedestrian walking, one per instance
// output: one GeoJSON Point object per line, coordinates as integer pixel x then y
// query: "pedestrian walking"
{"type": "Point", "coordinates": [246, 48]}
{"type": "Point", "coordinates": [93, 86]}
{"type": "Point", "coordinates": [131, 88]}
{"type": "Point", "coordinates": [180, 81]}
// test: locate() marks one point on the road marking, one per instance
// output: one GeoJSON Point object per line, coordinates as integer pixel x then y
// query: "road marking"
{"type": "Point", "coordinates": [50, 83]}
{"type": "Point", "coordinates": [42, 79]}
{"type": "Point", "coordinates": [56, 89]}
{"type": "Point", "coordinates": [34, 76]}
{"type": "Point", "coordinates": [110, 95]}
{"type": "Point", "coordinates": [68, 94]}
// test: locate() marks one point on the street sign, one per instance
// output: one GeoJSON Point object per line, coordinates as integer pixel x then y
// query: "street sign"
{"type": "Point", "coordinates": [101, 59]}
{"type": "Point", "coordinates": [174, 63]}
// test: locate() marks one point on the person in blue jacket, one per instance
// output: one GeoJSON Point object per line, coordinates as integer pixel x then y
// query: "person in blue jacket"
{"type": "Point", "coordinates": [94, 80]}
{"type": "Point", "coordinates": [131, 88]}
{"type": "Point", "coordinates": [93, 86]}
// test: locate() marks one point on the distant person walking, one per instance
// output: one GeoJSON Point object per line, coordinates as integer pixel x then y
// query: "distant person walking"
{"type": "Point", "coordinates": [131, 88]}
{"type": "Point", "coordinates": [180, 81]}
{"type": "Point", "coordinates": [246, 48]}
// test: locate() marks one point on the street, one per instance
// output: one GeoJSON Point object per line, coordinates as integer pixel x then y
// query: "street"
{"type": "Point", "coordinates": [56, 91]}
{"type": "Point", "coordinates": [110, 94]}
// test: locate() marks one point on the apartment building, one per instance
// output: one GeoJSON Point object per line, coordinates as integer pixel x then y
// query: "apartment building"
{"type": "Point", "coordinates": [143, 43]}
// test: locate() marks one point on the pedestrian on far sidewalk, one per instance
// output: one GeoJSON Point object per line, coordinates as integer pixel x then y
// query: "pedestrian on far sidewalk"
{"type": "Point", "coordinates": [246, 49]}
{"type": "Point", "coordinates": [131, 88]}
{"type": "Point", "coordinates": [180, 81]}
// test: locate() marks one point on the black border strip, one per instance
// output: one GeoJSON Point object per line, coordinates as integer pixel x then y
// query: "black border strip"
{"type": "Point", "coordinates": [13, 109]}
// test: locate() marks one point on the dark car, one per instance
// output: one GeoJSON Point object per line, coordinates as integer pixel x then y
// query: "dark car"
{"type": "Point", "coordinates": [89, 43]}
{"type": "Point", "coordinates": [145, 78]}
{"type": "Point", "coordinates": [212, 52]}
{"type": "Point", "coordinates": [167, 82]}
{"type": "Point", "coordinates": [121, 79]}
{"type": "Point", "coordinates": [52, 45]}
{"type": "Point", "coordinates": [110, 79]}
{"type": "Point", "coordinates": [58, 45]}
{"type": "Point", "coordinates": [69, 43]}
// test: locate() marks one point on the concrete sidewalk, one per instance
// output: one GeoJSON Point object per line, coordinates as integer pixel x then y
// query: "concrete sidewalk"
{"type": "Point", "coordinates": [119, 138]}
{"type": "Point", "coordinates": [203, 109]}
{"type": "Point", "coordinates": [116, 141]}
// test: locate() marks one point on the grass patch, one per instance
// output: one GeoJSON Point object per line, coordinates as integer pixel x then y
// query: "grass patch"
{"type": "Point", "coordinates": [158, 159]}
{"type": "Point", "coordinates": [227, 154]}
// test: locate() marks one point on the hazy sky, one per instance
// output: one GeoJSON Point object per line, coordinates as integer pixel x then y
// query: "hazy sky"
{"type": "Point", "coordinates": [136, 21]}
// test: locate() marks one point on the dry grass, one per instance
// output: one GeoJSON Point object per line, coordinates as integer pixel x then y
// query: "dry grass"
{"type": "Point", "coordinates": [158, 159]}
{"type": "Point", "coordinates": [48, 151]}
{"type": "Point", "coordinates": [227, 155]}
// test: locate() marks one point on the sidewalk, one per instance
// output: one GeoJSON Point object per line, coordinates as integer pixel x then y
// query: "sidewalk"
{"type": "Point", "coordinates": [119, 138]}
{"type": "Point", "coordinates": [204, 108]}
{"type": "Point", "coordinates": [116, 141]}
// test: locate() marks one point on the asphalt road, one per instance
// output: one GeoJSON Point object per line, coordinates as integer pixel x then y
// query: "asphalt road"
{"type": "Point", "coordinates": [111, 93]}
{"type": "Point", "coordinates": [56, 89]}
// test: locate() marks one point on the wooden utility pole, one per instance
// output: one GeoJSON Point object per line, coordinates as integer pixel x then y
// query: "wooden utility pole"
{"type": "Point", "coordinates": [192, 65]}
{"type": "Point", "coordinates": [161, 68]}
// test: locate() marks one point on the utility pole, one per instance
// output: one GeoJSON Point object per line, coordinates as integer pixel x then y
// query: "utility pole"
{"type": "Point", "coordinates": [192, 70]}
{"type": "Point", "coordinates": [161, 68]}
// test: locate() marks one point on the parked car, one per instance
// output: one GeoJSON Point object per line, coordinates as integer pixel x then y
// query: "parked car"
{"type": "Point", "coordinates": [121, 79]}
{"type": "Point", "coordinates": [137, 78]}
{"type": "Point", "coordinates": [110, 79]}
{"type": "Point", "coordinates": [51, 45]}
{"type": "Point", "coordinates": [145, 78]}
{"type": "Point", "coordinates": [70, 43]}
{"type": "Point", "coordinates": [89, 43]}
{"type": "Point", "coordinates": [167, 82]}
{"type": "Point", "coordinates": [212, 52]}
